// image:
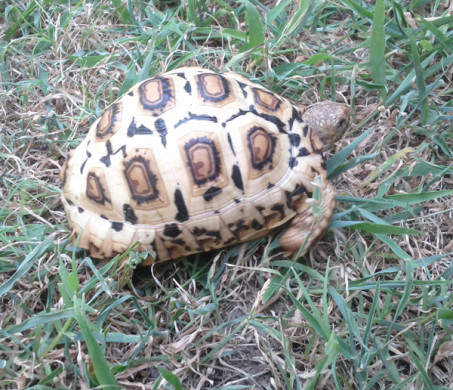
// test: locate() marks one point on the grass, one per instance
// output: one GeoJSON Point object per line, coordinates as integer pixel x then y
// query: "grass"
{"type": "Point", "coordinates": [369, 308]}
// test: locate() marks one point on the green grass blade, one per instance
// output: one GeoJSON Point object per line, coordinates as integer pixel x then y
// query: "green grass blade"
{"type": "Point", "coordinates": [389, 366]}
{"type": "Point", "coordinates": [431, 69]}
{"type": "Point", "coordinates": [101, 369]}
{"type": "Point", "coordinates": [335, 162]}
{"type": "Point", "coordinates": [11, 31]}
{"type": "Point", "coordinates": [348, 316]}
{"type": "Point", "coordinates": [361, 11]}
{"type": "Point", "coordinates": [38, 320]}
{"type": "Point", "coordinates": [255, 27]}
{"type": "Point", "coordinates": [377, 47]}
{"type": "Point", "coordinates": [419, 78]}
{"type": "Point", "coordinates": [407, 292]}
{"type": "Point", "coordinates": [171, 378]}
{"type": "Point", "coordinates": [314, 317]}
{"type": "Point", "coordinates": [297, 20]}
{"type": "Point", "coordinates": [26, 264]}
{"type": "Point", "coordinates": [192, 13]}
{"type": "Point", "coordinates": [375, 228]}
{"type": "Point", "coordinates": [389, 163]}
{"type": "Point", "coordinates": [330, 357]}
{"type": "Point", "coordinates": [277, 11]}
{"type": "Point", "coordinates": [394, 247]}
{"type": "Point", "coordinates": [123, 13]}
{"type": "Point", "coordinates": [370, 320]}
{"type": "Point", "coordinates": [443, 39]}
{"type": "Point", "coordinates": [405, 200]}
{"type": "Point", "coordinates": [427, 381]}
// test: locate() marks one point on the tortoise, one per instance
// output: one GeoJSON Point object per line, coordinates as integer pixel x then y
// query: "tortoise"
{"type": "Point", "coordinates": [194, 160]}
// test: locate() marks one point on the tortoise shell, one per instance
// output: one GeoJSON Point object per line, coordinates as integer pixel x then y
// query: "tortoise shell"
{"type": "Point", "coordinates": [189, 161]}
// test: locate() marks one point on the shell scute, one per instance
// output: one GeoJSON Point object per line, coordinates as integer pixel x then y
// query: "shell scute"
{"type": "Point", "coordinates": [96, 188]}
{"type": "Point", "coordinates": [157, 95]}
{"type": "Point", "coordinates": [266, 100]}
{"type": "Point", "coordinates": [214, 89]}
{"type": "Point", "coordinates": [109, 123]}
{"type": "Point", "coordinates": [143, 179]}
{"type": "Point", "coordinates": [142, 182]}
{"type": "Point", "coordinates": [203, 158]}
{"type": "Point", "coordinates": [261, 146]}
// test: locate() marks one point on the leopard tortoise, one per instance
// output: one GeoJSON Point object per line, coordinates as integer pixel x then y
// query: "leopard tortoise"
{"type": "Point", "coordinates": [193, 160]}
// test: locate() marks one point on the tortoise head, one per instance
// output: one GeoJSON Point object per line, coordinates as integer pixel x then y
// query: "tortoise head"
{"type": "Point", "coordinates": [328, 120]}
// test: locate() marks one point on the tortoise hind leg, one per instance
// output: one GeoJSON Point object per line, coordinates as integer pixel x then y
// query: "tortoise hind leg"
{"type": "Point", "coordinates": [306, 227]}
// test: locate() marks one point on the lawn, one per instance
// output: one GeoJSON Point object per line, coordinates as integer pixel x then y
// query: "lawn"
{"type": "Point", "coordinates": [370, 305]}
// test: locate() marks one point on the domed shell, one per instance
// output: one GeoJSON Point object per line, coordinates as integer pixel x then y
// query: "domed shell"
{"type": "Point", "coordinates": [186, 162]}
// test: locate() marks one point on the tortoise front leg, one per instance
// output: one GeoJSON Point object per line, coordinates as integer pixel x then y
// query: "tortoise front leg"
{"type": "Point", "coordinates": [306, 227]}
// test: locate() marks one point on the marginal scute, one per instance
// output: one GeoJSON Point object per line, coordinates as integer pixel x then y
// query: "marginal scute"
{"type": "Point", "coordinates": [117, 226]}
{"type": "Point", "coordinates": [256, 225]}
{"type": "Point", "coordinates": [297, 197]}
{"type": "Point", "coordinates": [212, 238]}
{"type": "Point", "coordinates": [279, 209]}
{"type": "Point", "coordinates": [172, 230]}
{"type": "Point", "coordinates": [240, 228]}
{"type": "Point", "coordinates": [64, 168]}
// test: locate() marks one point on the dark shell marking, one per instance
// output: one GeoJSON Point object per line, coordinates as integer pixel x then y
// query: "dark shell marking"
{"type": "Point", "coordinates": [117, 226]}
{"type": "Point", "coordinates": [183, 213]}
{"type": "Point", "coordinates": [129, 214]}
{"type": "Point", "coordinates": [161, 130]}
{"type": "Point", "coordinates": [172, 230]}
{"type": "Point", "coordinates": [133, 129]}
{"type": "Point", "coordinates": [106, 160]}
{"type": "Point", "coordinates": [237, 177]}
{"type": "Point", "coordinates": [211, 192]}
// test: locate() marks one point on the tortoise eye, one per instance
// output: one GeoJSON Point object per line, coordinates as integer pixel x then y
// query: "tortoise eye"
{"type": "Point", "coordinates": [342, 123]}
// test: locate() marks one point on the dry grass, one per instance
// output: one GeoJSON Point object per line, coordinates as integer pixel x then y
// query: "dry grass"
{"type": "Point", "coordinates": [368, 308]}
